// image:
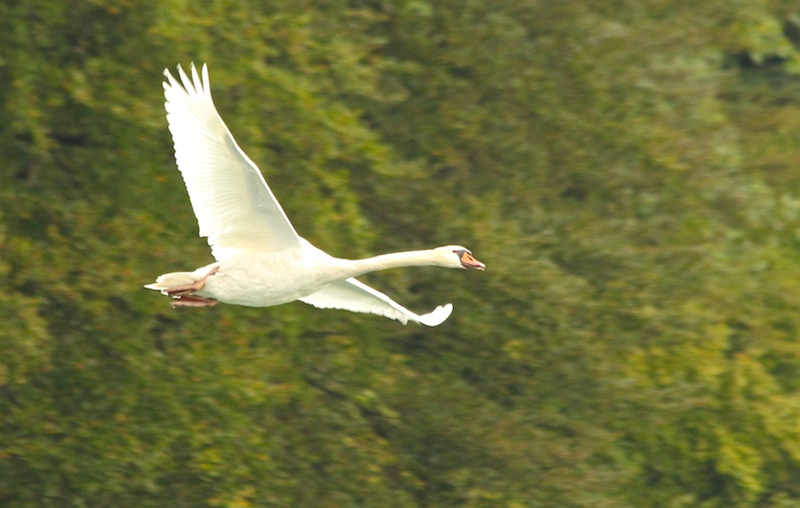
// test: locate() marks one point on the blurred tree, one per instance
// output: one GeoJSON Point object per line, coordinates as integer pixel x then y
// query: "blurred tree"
{"type": "Point", "coordinates": [626, 169]}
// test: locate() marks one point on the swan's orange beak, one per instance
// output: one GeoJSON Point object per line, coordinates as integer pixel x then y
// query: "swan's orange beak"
{"type": "Point", "coordinates": [467, 261]}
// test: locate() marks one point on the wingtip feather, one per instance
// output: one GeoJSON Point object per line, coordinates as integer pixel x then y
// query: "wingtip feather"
{"type": "Point", "coordinates": [196, 77]}
{"type": "Point", "coordinates": [206, 82]}
{"type": "Point", "coordinates": [187, 83]}
{"type": "Point", "coordinates": [438, 316]}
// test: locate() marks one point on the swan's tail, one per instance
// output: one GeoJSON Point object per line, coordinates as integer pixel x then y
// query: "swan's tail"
{"type": "Point", "coordinates": [172, 280]}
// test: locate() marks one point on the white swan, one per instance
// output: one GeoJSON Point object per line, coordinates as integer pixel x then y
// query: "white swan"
{"type": "Point", "coordinates": [261, 261]}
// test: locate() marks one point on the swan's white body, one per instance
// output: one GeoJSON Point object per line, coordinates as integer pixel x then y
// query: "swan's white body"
{"type": "Point", "coordinates": [261, 261]}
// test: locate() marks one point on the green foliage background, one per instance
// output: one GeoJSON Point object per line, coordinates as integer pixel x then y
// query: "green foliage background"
{"type": "Point", "coordinates": [628, 170]}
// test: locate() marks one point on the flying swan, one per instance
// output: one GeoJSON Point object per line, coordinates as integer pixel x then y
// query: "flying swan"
{"type": "Point", "coordinates": [260, 259]}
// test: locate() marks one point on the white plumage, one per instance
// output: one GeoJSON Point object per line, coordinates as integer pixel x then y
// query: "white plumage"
{"type": "Point", "coordinates": [261, 261]}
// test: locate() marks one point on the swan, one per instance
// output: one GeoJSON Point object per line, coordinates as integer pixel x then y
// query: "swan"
{"type": "Point", "coordinates": [260, 259]}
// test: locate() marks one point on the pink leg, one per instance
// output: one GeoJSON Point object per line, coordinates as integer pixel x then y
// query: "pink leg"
{"type": "Point", "coordinates": [192, 301]}
{"type": "Point", "coordinates": [183, 296]}
{"type": "Point", "coordinates": [190, 288]}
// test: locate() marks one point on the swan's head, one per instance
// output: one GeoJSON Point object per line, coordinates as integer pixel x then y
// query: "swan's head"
{"type": "Point", "coordinates": [456, 256]}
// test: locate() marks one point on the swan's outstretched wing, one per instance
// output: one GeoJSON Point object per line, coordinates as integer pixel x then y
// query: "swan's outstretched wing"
{"type": "Point", "coordinates": [235, 208]}
{"type": "Point", "coordinates": [354, 296]}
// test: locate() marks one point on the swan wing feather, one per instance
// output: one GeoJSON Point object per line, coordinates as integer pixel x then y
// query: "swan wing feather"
{"type": "Point", "coordinates": [356, 296]}
{"type": "Point", "coordinates": [235, 207]}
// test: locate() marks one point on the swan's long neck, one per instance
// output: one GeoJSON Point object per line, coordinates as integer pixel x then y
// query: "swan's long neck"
{"type": "Point", "coordinates": [393, 260]}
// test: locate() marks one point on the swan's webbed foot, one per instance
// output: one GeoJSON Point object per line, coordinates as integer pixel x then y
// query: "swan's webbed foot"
{"type": "Point", "coordinates": [187, 300]}
{"type": "Point", "coordinates": [183, 296]}
{"type": "Point", "coordinates": [188, 289]}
